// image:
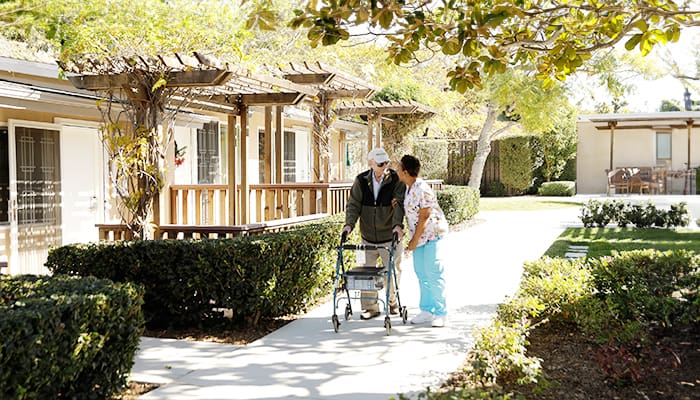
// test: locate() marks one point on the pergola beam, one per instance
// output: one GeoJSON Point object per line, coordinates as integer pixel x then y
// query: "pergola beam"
{"type": "Point", "coordinates": [197, 78]}
{"type": "Point", "coordinates": [256, 99]}
{"type": "Point", "coordinates": [348, 93]}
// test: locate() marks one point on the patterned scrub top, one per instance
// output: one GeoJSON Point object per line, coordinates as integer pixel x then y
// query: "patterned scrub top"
{"type": "Point", "coordinates": [418, 196]}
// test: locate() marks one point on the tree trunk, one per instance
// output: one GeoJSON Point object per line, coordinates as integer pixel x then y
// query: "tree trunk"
{"type": "Point", "coordinates": [483, 148]}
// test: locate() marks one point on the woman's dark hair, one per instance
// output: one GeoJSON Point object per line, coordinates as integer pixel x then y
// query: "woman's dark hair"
{"type": "Point", "coordinates": [411, 165]}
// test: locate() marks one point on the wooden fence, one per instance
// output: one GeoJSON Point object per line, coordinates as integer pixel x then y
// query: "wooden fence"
{"type": "Point", "coordinates": [460, 159]}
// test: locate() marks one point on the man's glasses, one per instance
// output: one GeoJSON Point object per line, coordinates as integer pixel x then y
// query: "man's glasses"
{"type": "Point", "coordinates": [381, 164]}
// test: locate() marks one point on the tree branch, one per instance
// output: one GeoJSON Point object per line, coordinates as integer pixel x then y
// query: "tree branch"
{"type": "Point", "coordinates": [503, 129]}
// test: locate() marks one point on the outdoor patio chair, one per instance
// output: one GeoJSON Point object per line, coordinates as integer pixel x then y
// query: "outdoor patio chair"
{"type": "Point", "coordinates": [639, 178]}
{"type": "Point", "coordinates": [618, 179]}
{"type": "Point", "coordinates": [657, 181]}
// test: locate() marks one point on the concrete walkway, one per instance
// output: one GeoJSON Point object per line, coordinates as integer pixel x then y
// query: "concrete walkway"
{"type": "Point", "coordinates": [306, 359]}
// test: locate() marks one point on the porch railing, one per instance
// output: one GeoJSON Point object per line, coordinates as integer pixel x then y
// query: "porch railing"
{"type": "Point", "coordinates": [113, 232]}
{"type": "Point", "coordinates": [223, 231]}
{"type": "Point", "coordinates": [208, 204]}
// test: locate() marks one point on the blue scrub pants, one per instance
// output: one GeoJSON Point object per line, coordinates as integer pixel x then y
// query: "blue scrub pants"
{"type": "Point", "coordinates": [429, 268]}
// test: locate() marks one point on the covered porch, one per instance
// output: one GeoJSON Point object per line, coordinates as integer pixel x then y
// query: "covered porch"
{"type": "Point", "coordinates": [240, 205]}
{"type": "Point", "coordinates": [651, 153]}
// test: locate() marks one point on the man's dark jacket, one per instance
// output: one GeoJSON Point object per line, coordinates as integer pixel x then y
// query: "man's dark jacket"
{"type": "Point", "coordinates": [377, 217]}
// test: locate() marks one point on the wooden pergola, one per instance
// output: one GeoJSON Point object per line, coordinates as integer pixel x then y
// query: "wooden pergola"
{"type": "Point", "coordinates": [374, 110]}
{"type": "Point", "coordinates": [209, 85]}
{"type": "Point", "coordinates": [332, 84]}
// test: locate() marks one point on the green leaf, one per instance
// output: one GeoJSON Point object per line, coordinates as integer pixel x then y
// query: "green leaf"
{"type": "Point", "coordinates": [159, 83]}
{"type": "Point", "coordinates": [645, 46]}
{"type": "Point", "coordinates": [633, 41]}
{"type": "Point", "coordinates": [451, 46]}
{"type": "Point", "coordinates": [641, 25]}
{"type": "Point", "coordinates": [384, 17]}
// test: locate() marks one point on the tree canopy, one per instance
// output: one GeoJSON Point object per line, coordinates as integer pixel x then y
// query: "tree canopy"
{"type": "Point", "coordinates": [484, 37]}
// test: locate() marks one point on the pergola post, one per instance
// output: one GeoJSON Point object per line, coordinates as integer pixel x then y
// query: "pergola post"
{"type": "Point", "coordinates": [689, 124]}
{"type": "Point", "coordinates": [370, 132]}
{"type": "Point", "coordinates": [612, 125]}
{"type": "Point", "coordinates": [245, 187]}
{"type": "Point", "coordinates": [378, 136]}
{"type": "Point", "coordinates": [231, 170]}
{"type": "Point", "coordinates": [341, 155]}
{"type": "Point", "coordinates": [268, 145]}
{"type": "Point", "coordinates": [279, 132]}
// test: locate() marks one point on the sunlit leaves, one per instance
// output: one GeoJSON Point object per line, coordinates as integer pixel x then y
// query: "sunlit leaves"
{"type": "Point", "coordinates": [556, 39]}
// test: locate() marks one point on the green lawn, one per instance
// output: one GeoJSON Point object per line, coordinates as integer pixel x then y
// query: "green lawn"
{"type": "Point", "coordinates": [602, 241]}
{"type": "Point", "coordinates": [525, 203]}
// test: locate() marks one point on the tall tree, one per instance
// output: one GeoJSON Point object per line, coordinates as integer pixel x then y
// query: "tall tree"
{"type": "Point", "coordinates": [486, 37]}
{"type": "Point", "coordinates": [512, 100]}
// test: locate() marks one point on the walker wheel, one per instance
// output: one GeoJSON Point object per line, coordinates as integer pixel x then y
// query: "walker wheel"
{"type": "Point", "coordinates": [404, 315]}
{"type": "Point", "coordinates": [387, 325]}
{"type": "Point", "coordinates": [348, 312]}
{"type": "Point", "coordinates": [336, 323]}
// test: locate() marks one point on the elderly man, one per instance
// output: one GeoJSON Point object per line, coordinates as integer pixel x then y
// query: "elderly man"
{"type": "Point", "coordinates": [376, 199]}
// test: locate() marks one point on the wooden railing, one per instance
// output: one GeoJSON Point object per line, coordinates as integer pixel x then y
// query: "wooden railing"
{"type": "Point", "coordinates": [200, 210]}
{"type": "Point", "coordinates": [112, 232]}
{"type": "Point", "coordinates": [224, 231]}
{"type": "Point", "coordinates": [207, 204]}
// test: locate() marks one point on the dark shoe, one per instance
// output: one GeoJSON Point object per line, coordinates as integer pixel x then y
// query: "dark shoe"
{"type": "Point", "coordinates": [369, 314]}
{"type": "Point", "coordinates": [394, 309]}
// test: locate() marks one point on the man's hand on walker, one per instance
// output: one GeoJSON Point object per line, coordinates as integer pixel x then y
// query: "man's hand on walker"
{"type": "Point", "coordinates": [399, 232]}
{"type": "Point", "coordinates": [346, 229]}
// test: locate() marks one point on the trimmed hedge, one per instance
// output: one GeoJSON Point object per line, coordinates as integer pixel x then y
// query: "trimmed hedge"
{"type": "Point", "coordinates": [459, 203]}
{"type": "Point", "coordinates": [560, 188]}
{"type": "Point", "coordinates": [66, 337]}
{"type": "Point", "coordinates": [260, 276]}
{"type": "Point", "coordinates": [515, 163]}
{"type": "Point", "coordinates": [595, 213]}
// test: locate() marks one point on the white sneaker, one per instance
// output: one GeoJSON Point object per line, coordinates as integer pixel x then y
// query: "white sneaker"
{"type": "Point", "coordinates": [422, 318]}
{"type": "Point", "coordinates": [439, 321]}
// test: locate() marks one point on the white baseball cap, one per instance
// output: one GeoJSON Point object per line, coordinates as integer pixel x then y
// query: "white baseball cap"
{"type": "Point", "coordinates": [378, 155]}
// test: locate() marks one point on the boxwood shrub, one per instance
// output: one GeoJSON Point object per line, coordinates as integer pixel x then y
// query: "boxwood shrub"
{"type": "Point", "coordinates": [596, 213]}
{"type": "Point", "coordinates": [67, 338]}
{"type": "Point", "coordinates": [259, 276]}
{"type": "Point", "coordinates": [560, 188]}
{"type": "Point", "coordinates": [459, 203]}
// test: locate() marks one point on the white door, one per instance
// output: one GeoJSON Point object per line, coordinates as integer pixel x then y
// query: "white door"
{"type": "Point", "coordinates": [35, 194]}
{"type": "Point", "coordinates": [81, 169]}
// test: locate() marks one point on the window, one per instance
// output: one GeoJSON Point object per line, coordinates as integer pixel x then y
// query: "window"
{"type": "Point", "coordinates": [663, 145]}
{"type": "Point", "coordinates": [208, 157]}
{"type": "Point", "coordinates": [4, 176]}
{"type": "Point", "coordinates": [38, 176]}
{"type": "Point", "coordinates": [290, 163]}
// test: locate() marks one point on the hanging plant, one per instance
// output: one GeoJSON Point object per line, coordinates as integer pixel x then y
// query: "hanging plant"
{"type": "Point", "coordinates": [179, 155]}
